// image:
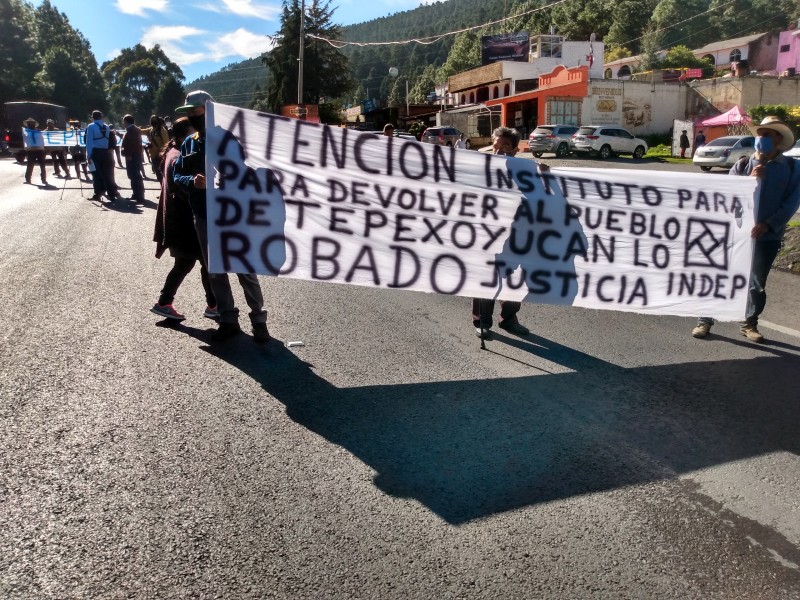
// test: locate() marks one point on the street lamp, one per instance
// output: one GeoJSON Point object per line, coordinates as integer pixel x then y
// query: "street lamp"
{"type": "Point", "coordinates": [394, 72]}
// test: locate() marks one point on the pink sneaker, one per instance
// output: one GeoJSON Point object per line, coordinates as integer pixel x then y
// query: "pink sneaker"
{"type": "Point", "coordinates": [167, 311]}
{"type": "Point", "coordinates": [211, 312]}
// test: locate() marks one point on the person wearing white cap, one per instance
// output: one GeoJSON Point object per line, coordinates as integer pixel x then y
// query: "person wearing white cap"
{"type": "Point", "coordinates": [189, 173]}
{"type": "Point", "coordinates": [778, 200]}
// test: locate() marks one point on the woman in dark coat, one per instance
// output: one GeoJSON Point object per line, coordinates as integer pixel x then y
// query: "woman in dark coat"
{"type": "Point", "coordinates": [175, 232]}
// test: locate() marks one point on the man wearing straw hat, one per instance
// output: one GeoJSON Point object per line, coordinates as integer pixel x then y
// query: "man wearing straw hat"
{"type": "Point", "coordinates": [778, 200]}
{"type": "Point", "coordinates": [34, 149]}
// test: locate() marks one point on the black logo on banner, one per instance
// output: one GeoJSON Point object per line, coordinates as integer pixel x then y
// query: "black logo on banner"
{"type": "Point", "coordinates": [707, 244]}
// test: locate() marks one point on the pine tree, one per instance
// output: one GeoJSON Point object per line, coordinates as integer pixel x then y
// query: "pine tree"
{"type": "Point", "coordinates": [326, 73]}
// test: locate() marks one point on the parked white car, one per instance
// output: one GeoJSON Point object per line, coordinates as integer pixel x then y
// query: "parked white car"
{"type": "Point", "coordinates": [606, 141]}
{"type": "Point", "coordinates": [794, 151]}
{"type": "Point", "coordinates": [724, 152]}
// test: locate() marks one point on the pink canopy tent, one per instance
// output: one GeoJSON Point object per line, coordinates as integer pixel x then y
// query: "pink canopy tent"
{"type": "Point", "coordinates": [734, 116]}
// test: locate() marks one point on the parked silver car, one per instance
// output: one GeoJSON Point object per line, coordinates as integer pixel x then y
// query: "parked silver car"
{"type": "Point", "coordinates": [552, 138]}
{"type": "Point", "coordinates": [724, 152]}
{"type": "Point", "coordinates": [606, 141]}
{"type": "Point", "coordinates": [443, 136]}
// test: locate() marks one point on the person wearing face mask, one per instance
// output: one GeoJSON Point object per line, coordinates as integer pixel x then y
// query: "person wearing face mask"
{"type": "Point", "coordinates": [189, 173]}
{"type": "Point", "coordinates": [505, 142]}
{"type": "Point", "coordinates": [778, 200]}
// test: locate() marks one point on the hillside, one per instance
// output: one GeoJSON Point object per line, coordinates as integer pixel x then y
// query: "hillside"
{"type": "Point", "coordinates": [236, 83]}
{"type": "Point", "coordinates": [622, 23]}
{"type": "Point", "coordinates": [233, 84]}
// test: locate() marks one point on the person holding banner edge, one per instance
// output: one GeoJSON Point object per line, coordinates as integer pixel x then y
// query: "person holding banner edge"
{"type": "Point", "coordinates": [57, 153]}
{"type": "Point", "coordinates": [778, 200]}
{"type": "Point", "coordinates": [189, 173]}
{"type": "Point", "coordinates": [505, 142]}
{"type": "Point", "coordinates": [34, 149]}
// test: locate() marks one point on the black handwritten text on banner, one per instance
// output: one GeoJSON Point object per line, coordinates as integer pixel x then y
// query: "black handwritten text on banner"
{"type": "Point", "coordinates": [300, 200]}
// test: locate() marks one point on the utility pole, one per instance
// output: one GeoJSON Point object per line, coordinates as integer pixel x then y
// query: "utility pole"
{"type": "Point", "coordinates": [408, 110]}
{"type": "Point", "coordinates": [300, 55]}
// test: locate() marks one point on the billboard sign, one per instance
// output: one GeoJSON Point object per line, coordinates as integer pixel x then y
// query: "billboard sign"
{"type": "Point", "coordinates": [507, 46]}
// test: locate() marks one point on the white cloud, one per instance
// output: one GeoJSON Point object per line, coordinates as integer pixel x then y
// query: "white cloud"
{"type": "Point", "coordinates": [245, 8]}
{"type": "Point", "coordinates": [138, 7]}
{"type": "Point", "coordinates": [172, 40]}
{"type": "Point", "coordinates": [241, 43]}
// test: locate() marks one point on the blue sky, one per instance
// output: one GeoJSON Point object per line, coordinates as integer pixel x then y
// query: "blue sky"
{"type": "Point", "coordinates": [199, 35]}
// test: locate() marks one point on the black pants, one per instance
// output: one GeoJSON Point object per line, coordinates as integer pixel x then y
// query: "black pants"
{"type": "Point", "coordinates": [182, 267]}
{"type": "Point", "coordinates": [482, 310]}
{"type": "Point", "coordinates": [35, 156]}
{"type": "Point", "coordinates": [59, 162]}
{"type": "Point", "coordinates": [102, 177]}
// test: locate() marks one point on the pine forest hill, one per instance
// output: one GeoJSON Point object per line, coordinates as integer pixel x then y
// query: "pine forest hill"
{"type": "Point", "coordinates": [627, 27]}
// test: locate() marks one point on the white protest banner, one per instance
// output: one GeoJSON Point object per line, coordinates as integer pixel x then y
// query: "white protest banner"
{"type": "Point", "coordinates": [57, 138]}
{"type": "Point", "coordinates": [322, 203]}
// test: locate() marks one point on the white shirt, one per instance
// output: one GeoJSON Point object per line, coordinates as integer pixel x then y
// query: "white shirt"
{"type": "Point", "coordinates": [460, 144]}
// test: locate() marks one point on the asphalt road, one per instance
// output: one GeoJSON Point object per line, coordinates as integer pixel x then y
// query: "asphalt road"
{"type": "Point", "coordinates": [608, 455]}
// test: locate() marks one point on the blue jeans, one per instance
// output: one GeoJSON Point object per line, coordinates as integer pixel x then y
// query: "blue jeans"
{"type": "Point", "coordinates": [764, 255]}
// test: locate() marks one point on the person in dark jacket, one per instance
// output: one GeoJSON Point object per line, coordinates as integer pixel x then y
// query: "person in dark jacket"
{"type": "Point", "coordinates": [699, 140]}
{"type": "Point", "coordinates": [132, 151]}
{"type": "Point", "coordinates": [684, 143]}
{"type": "Point", "coordinates": [175, 232]}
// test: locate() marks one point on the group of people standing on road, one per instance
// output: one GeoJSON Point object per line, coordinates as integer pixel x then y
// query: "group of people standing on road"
{"type": "Point", "coordinates": [185, 184]}
{"type": "Point", "coordinates": [95, 159]}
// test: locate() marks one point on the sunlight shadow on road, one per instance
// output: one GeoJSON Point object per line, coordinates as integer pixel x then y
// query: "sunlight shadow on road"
{"type": "Point", "coordinates": [470, 449]}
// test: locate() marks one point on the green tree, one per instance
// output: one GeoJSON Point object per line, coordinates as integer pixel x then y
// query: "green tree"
{"type": "Point", "coordinates": [679, 22]}
{"type": "Point", "coordinates": [67, 72]}
{"type": "Point", "coordinates": [135, 79]}
{"type": "Point", "coordinates": [651, 47]}
{"type": "Point", "coordinates": [744, 17]}
{"type": "Point", "coordinates": [682, 56]}
{"type": "Point", "coordinates": [629, 18]}
{"type": "Point", "coordinates": [169, 96]}
{"type": "Point", "coordinates": [424, 85]}
{"type": "Point", "coordinates": [396, 94]}
{"type": "Point", "coordinates": [465, 55]}
{"type": "Point", "coordinates": [578, 20]}
{"type": "Point", "coordinates": [17, 56]}
{"type": "Point", "coordinates": [326, 71]}
{"type": "Point", "coordinates": [758, 112]}
{"type": "Point", "coordinates": [617, 53]}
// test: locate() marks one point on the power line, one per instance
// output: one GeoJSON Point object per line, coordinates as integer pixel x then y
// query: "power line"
{"type": "Point", "coordinates": [678, 23]}
{"type": "Point", "coordinates": [435, 38]}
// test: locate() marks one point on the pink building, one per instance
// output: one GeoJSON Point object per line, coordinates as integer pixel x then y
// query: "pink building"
{"type": "Point", "coordinates": [789, 52]}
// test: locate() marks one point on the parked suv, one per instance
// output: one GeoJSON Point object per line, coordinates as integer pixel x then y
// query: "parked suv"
{"type": "Point", "coordinates": [443, 136]}
{"type": "Point", "coordinates": [606, 141]}
{"type": "Point", "coordinates": [552, 138]}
